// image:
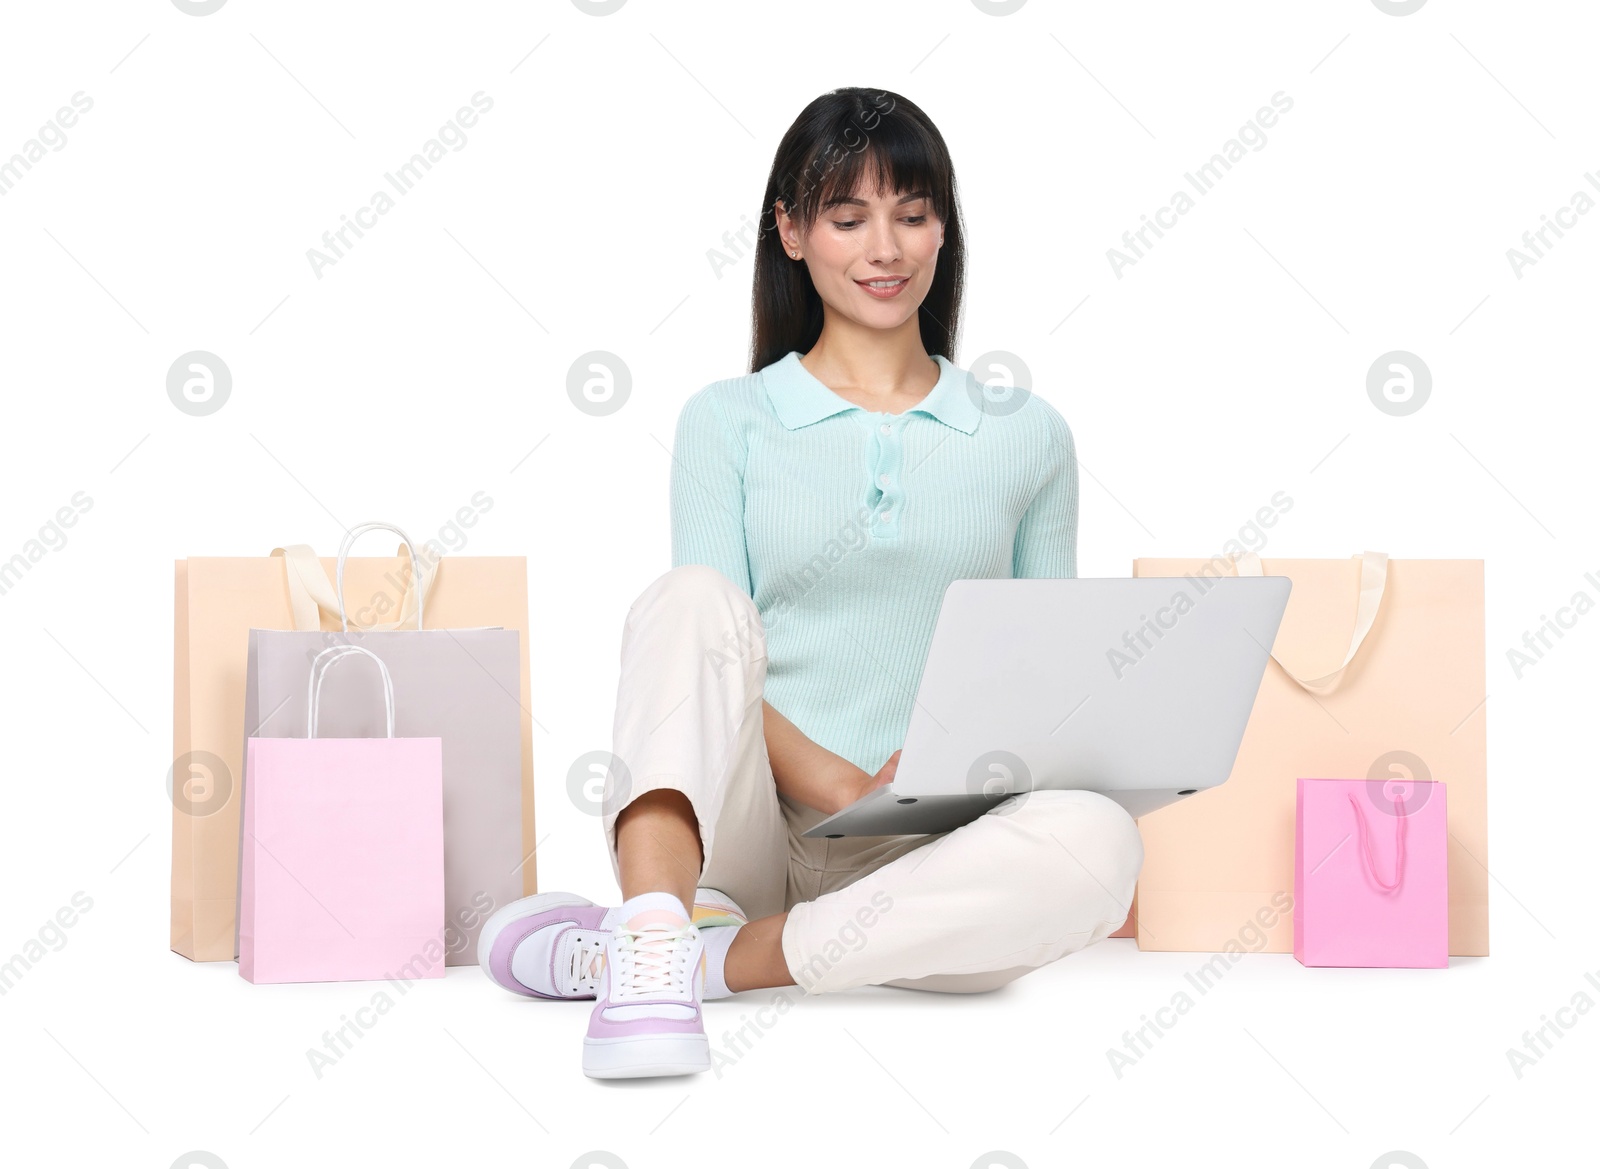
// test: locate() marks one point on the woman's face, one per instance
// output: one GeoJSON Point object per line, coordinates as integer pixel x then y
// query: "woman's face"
{"type": "Point", "coordinates": [891, 241]}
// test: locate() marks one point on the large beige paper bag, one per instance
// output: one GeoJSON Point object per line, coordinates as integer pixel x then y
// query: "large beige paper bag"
{"type": "Point", "coordinates": [1409, 702]}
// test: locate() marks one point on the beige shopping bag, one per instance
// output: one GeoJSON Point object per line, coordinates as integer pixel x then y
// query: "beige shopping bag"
{"type": "Point", "coordinates": [1378, 671]}
{"type": "Point", "coordinates": [218, 601]}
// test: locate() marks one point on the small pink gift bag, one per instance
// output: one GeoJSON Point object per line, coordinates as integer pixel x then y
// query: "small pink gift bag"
{"type": "Point", "coordinates": [341, 859]}
{"type": "Point", "coordinates": [1371, 885]}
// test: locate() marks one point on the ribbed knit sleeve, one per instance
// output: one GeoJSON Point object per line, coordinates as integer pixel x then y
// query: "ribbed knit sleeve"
{"type": "Point", "coordinates": [707, 490]}
{"type": "Point", "coordinates": [1047, 536]}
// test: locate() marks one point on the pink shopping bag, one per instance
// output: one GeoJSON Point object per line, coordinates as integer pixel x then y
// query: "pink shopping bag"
{"type": "Point", "coordinates": [1371, 886]}
{"type": "Point", "coordinates": [342, 852]}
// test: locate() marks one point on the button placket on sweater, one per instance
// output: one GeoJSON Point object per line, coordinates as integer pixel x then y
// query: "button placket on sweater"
{"type": "Point", "coordinates": [885, 494]}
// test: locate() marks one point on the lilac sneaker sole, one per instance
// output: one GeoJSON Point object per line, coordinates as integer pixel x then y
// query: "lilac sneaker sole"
{"type": "Point", "coordinates": [631, 1057]}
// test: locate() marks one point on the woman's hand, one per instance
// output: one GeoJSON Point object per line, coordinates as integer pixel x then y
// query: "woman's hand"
{"type": "Point", "coordinates": [812, 775]}
{"type": "Point", "coordinates": [858, 783]}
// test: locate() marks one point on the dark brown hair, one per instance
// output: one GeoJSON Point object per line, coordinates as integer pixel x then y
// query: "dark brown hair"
{"type": "Point", "coordinates": [840, 139]}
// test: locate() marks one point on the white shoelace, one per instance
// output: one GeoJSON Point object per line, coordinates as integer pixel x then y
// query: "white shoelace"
{"type": "Point", "coordinates": [653, 961]}
{"type": "Point", "coordinates": [585, 962]}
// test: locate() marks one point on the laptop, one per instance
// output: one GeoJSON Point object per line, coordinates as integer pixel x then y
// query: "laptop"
{"type": "Point", "coordinates": [1139, 689]}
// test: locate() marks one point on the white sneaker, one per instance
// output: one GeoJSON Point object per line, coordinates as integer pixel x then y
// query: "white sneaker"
{"type": "Point", "coordinates": [646, 1020]}
{"type": "Point", "coordinates": [552, 945]}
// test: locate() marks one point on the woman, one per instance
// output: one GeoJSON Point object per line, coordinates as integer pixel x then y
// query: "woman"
{"type": "Point", "coordinates": [820, 505]}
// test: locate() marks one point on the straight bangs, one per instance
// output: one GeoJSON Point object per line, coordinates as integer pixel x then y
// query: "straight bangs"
{"type": "Point", "coordinates": [894, 156]}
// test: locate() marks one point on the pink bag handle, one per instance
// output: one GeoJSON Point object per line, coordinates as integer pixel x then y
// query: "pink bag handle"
{"type": "Point", "coordinates": [1399, 843]}
{"type": "Point", "coordinates": [319, 668]}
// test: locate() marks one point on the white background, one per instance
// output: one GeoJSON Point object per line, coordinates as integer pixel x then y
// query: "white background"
{"type": "Point", "coordinates": [1228, 364]}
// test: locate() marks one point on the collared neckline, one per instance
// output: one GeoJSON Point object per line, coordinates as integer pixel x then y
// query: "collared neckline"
{"type": "Point", "coordinates": [801, 399]}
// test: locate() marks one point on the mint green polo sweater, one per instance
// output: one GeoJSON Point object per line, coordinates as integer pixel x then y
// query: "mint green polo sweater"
{"type": "Point", "coordinates": [845, 525]}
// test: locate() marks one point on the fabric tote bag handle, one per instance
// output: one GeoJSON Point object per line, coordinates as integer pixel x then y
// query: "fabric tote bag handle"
{"type": "Point", "coordinates": [1374, 579]}
{"type": "Point", "coordinates": [1366, 843]}
{"type": "Point", "coordinates": [311, 592]}
{"type": "Point", "coordinates": [319, 668]}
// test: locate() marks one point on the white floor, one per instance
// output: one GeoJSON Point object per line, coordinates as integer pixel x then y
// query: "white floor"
{"type": "Point", "coordinates": [1273, 1065]}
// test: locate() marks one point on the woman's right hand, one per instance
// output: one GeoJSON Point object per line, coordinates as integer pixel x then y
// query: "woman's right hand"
{"type": "Point", "coordinates": [810, 774]}
{"type": "Point", "coordinates": [858, 783]}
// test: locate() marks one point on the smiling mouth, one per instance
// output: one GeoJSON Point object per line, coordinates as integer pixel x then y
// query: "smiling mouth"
{"type": "Point", "coordinates": [884, 288]}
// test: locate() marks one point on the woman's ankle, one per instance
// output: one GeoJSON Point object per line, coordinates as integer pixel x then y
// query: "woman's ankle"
{"type": "Point", "coordinates": [754, 959]}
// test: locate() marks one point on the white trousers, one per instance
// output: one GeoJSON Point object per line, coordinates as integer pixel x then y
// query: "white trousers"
{"type": "Point", "coordinates": [1032, 880]}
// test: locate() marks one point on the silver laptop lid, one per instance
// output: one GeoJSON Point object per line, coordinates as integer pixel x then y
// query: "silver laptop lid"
{"type": "Point", "coordinates": [1101, 683]}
